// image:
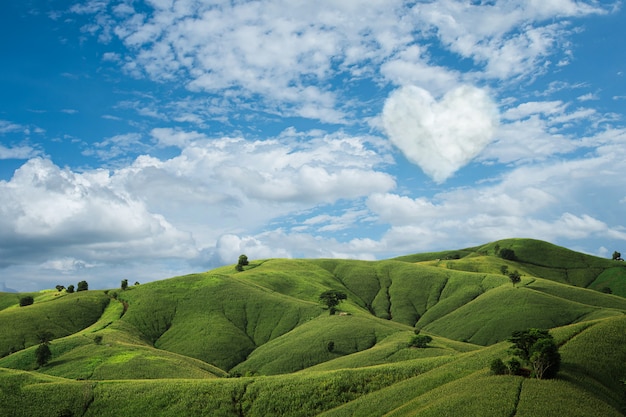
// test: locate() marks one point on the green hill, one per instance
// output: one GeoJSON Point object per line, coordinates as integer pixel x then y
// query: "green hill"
{"type": "Point", "coordinates": [258, 342]}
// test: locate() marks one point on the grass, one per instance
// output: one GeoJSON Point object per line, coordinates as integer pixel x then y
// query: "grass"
{"type": "Point", "coordinates": [165, 348]}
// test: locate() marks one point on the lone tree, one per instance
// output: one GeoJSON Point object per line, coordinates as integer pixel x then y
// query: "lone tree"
{"type": "Point", "coordinates": [43, 353]}
{"type": "Point", "coordinates": [617, 256]}
{"type": "Point", "coordinates": [537, 348]}
{"type": "Point", "coordinates": [508, 254]}
{"type": "Point", "coordinates": [124, 285]}
{"type": "Point", "coordinates": [243, 261]}
{"type": "Point", "coordinates": [515, 277]}
{"type": "Point", "coordinates": [70, 289]}
{"type": "Point", "coordinates": [420, 341]}
{"type": "Point", "coordinates": [82, 286]}
{"type": "Point", "coordinates": [26, 301]}
{"type": "Point", "coordinates": [331, 299]}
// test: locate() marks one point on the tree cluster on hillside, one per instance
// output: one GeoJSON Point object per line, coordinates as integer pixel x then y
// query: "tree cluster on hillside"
{"type": "Point", "coordinates": [81, 286]}
{"type": "Point", "coordinates": [508, 254]}
{"type": "Point", "coordinates": [534, 347]}
{"type": "Point", "coordinates": [617, 256]}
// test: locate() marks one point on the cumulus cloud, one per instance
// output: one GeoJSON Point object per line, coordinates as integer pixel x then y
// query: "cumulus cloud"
{"type": "Point", "coordinates": [440, 136]}
{"type": "Point", "coordinates": [47, 210]}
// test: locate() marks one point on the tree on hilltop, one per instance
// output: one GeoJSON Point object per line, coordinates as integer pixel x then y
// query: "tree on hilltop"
{"type": "Point", "coordinates": [331, 299]}
{"type": "Point", "coordinates": [124, 285]}
{"type": "Point", "coordinates": [617, 256]}
{"type": "Point", "coordinates": [82, 286]}
{"type": "Point", "coordinates": [243, 261]}
{"type": "Point", "coordinates": [70, 289]}
{"type": "Point", "coordinates": [508, 254]}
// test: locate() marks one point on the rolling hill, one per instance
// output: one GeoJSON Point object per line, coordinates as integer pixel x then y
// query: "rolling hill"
{"type": "Point", "coordinates": [259, 343]}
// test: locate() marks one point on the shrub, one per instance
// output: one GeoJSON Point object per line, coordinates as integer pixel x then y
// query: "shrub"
{"type": "Point", "coordinates": [514, 366]}
{"type": "Point", "coordinates": [98, 339]}
{"type": "Point", "coordinates": [330, 346]}
{"type": "Point", "coordinates": [42, 354]}
{"type": "Point", "coordinates": [498, 367]}
{"type": "Point", "coordinates": [420, 341]}
{"type": "Point", "coordinates": [26, 301]}
{"type": "Point", "coordinates": [70, 289]}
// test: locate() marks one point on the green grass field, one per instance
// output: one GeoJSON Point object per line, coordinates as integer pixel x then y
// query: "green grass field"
{"type": "Point", "coordinates": [258, 342]}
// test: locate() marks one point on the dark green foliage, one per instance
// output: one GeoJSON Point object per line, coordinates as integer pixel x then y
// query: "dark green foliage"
{"type": "Point", "coordinates": [606, 290]}
{"type": "Point", "coordinates": [420, 341]}
{"type": "Point", "coordinates": [537, 348]}
{"type": "Point", "coordinates": [60, 288]}
{"type": "Point", "coordinates": [330, 346]}
{"type": "Point", "coordinates": [515, 277]}
{"type": "Point", "coordinates": [26, 301]}
{"type": "Point", "coordinates": [70, 289]}
{"type": "Point", "coordinates": [124, 284]}
{"type": "Point", "coordinates": [545, 359]}
{"type": "Point", "coordinates": [508, 254]}
{"type": "Point", "coordinates": [332, 298]}
{"type": "Point", "coordinates": [498, 367]}
{"type": "Point", "coordinates": [514, 366]}
{"type": "Point", "coordinates": [42, 354]}
{"type": "Point", "coordinates": [44, 337]}
{"type": "Point", "coordinates": [243, 261]}
{"type": "Point", "coordinates": [98, 339]}
{"type": "Point", "coordinates": [504, 269]}
{"type": "Point", "coordinates": [82, 286]}
{"type": "Point", "coordinates": [617, 256]}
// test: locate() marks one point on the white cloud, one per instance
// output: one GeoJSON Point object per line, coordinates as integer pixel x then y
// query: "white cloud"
{"type": "Point", "coordinates": [47, 210]}
{"type": "Point", "coordinates": [440, 136]}
{"type": "Point", "coordinates": [18, 152]}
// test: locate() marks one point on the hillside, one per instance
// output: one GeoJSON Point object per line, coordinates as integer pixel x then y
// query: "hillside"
{"type": "Point", "coordinates": [256, 342]}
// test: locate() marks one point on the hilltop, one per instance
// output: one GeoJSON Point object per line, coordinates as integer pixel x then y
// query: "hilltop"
{"type": "Point", "coordinates": [258, 342]}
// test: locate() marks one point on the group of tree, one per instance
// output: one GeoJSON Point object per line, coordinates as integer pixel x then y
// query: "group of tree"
{"type": "Point", "coordinates": [243, 261]}
{"type": "Point", "coordinates": [82, 286]}
{"type": "Point", "coordinates": [534, 348]}
{"type": "Point", "coordinates": [617, 256]}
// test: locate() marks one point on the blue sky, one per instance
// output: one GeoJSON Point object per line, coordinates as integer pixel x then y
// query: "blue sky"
{"type": "Point", "coordinates": [147, 139]}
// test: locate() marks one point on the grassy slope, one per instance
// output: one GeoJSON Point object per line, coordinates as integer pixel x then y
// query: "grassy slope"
{"type": "Point", "coordinates": [267, 320]}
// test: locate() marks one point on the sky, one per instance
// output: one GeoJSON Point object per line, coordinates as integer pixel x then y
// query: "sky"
{"type": "Point", "coordinates": [146, 139]}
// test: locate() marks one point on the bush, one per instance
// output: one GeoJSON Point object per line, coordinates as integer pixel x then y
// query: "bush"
{"type": "Point", "coordinates": [82, 286]}
{"type": "Point", "coordinates": [26, 301]}
{"type": "Point", "coordinates": [514, 366]}
{"type": "Point", "coordinates": [498, 367]}
{"type": "Point", "coordinates": [508, 254]}
{"type": "Point", "coordinates": [42, 354]}
{"type": "Point", "coordinates": [70, 289]}
{"type": "Point", "coordinates": [420, 341]}
{"type": "Point", "coordinates": [330, 346]}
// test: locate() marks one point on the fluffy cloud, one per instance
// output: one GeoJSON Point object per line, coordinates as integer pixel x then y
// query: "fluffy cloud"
{"type": "Point", "coordinates": [47, 211]}
{"type": "Point", "coordinates": [440, 136]}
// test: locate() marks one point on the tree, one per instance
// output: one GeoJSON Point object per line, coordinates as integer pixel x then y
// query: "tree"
{"type": "Point", "coordinates": [331, 299]}
{"type": "Point", "coordinates": [82, 286]}
{"type": "Point", "coordinates": [498, 367]}
{"type": "Point", "coordinates": [508, 254]}
{"type": "Point", "coordinates": [60, 288]}
{"type": "Point", "coordinates": [617, 256]}
{"type": "Point", "coordinates": [545, 359]}
{"type": "Point", "coordinates": [504, 269]}
{"type": "Point", "coordinates": [42, 354]}
{"type": "Point", "coordinates": [420, 341]}
{"type": "Point", "coordinates": [243, 261]}
{"type": "Point", "coordinates": [537, 348]}
{"type": "Point", "coordinates": [124, 284]}
{"type": "Point", "coordinates": [515, 277]}
{"type": "Point", "coordinates": [70, 289]}
{"type": "Point", "coordinates": [26, 301]}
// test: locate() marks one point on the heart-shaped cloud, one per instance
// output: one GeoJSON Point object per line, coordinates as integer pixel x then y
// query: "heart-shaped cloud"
{"type": "Point", "coordinates": [440, 136]}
